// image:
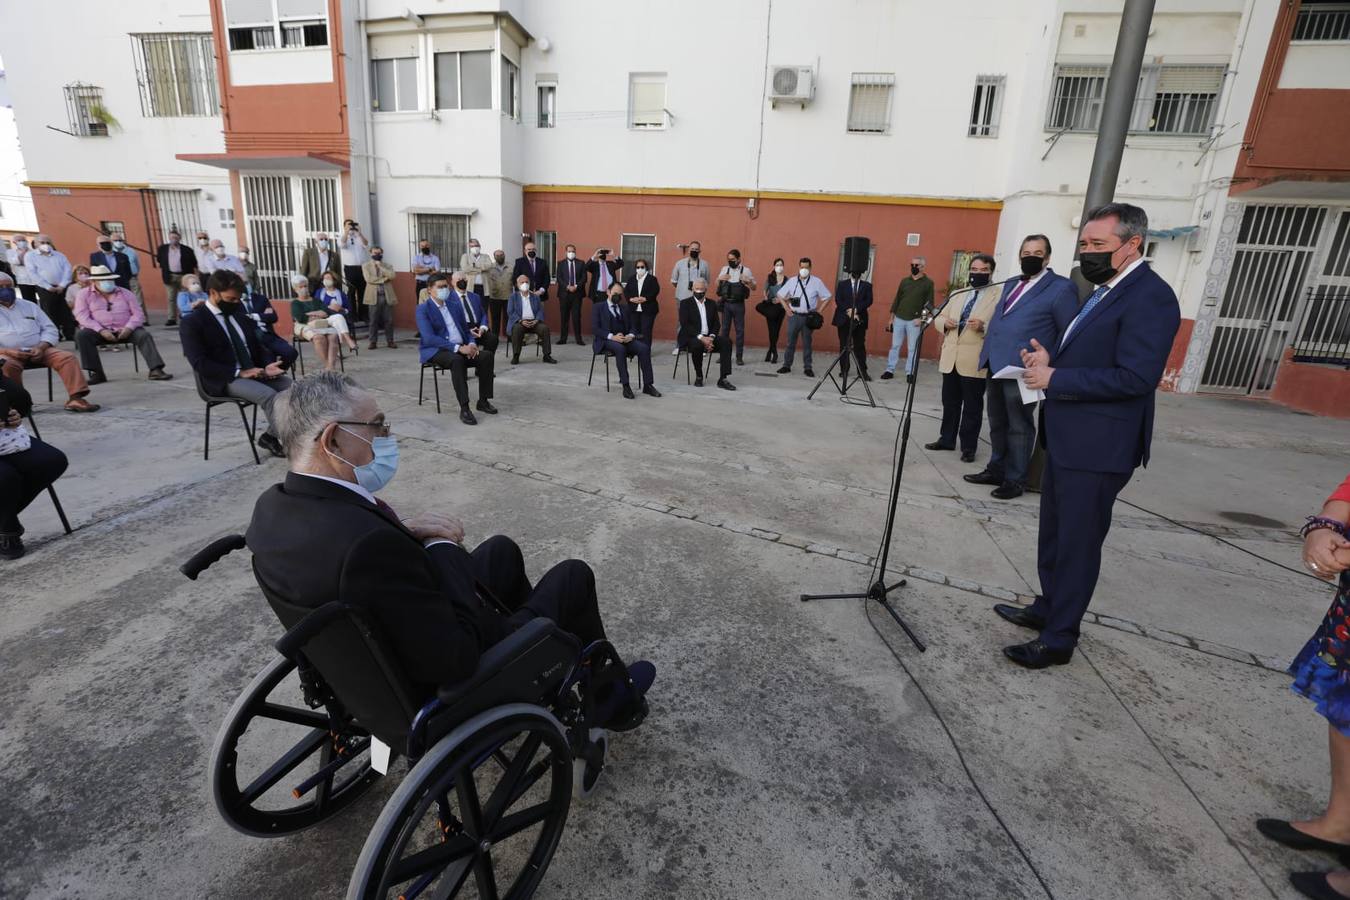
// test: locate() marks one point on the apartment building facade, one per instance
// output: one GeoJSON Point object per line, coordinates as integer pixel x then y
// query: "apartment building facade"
{"type": "Point", "coordinates": [777, 128]}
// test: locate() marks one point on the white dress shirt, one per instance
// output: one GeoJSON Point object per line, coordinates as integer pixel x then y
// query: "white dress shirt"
{"type": "Point", "coordinates": [456, 338]}
{"type": "Point", "coordinates": [526, 306]}
{"type": "Point", "coordinates": [227, 324]}
{"type": "Point", "coordinates": [702, 316]}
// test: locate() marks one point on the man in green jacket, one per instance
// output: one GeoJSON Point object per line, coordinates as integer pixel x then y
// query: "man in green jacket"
{"type": "Point", "coordinates": [914, 294]}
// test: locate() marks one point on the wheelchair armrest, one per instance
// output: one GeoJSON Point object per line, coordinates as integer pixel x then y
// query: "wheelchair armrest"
{"type": "Point", "coordinates": [204, 558]}
{"type": "Point", "coordinates": [289, 644]}
{"type": "Point", "coordinates": [543, 652]}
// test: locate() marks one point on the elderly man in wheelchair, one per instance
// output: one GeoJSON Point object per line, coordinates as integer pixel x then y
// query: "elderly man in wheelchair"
{"type": "Point", "coordinates": [400, 642]}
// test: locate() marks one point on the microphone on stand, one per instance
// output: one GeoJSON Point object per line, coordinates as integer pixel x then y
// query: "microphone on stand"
{"type": "Point", "coordinates": [929, 314]}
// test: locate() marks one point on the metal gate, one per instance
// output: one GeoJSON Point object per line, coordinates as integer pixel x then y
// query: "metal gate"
{"type": "Point", "coordinates": [283, 214]}
{"type": "Point", "coordinates": [1274, 250]}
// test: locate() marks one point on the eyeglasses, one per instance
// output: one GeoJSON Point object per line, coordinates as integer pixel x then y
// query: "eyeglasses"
{"type": "Point", "coordinates": [381, 428]}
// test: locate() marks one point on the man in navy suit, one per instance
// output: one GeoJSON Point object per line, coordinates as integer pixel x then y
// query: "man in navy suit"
{"type": "Point", "coordinates": [1099, 376]}
{"type": "Point", "coordinates": [614, 330]}
{"type": "Point", "coordinates": [852, 297]}
{"type": "Point", "coordinates": [1033, 307]}
{"type": "Point", "coordinates": [116, 261]}
{"type": "Point", "coordinates": [537, 269]}
{"type": "Point", "coordinates": [446, 338]}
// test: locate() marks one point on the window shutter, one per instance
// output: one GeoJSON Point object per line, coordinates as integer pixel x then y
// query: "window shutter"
{"type": "Point", "coordinates": [649, 100]}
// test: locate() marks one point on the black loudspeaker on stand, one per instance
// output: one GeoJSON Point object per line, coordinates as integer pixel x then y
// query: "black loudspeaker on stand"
{"type": "Point", "coordinates": [857, 260]}
{"type": "Point", "coordinates": [879, 591]}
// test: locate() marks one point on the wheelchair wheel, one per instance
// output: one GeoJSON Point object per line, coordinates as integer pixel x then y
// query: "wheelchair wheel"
{"type": "Point", "coordinates": [276, 767]}
{"type": "Point", "coordinates": [488, 803]}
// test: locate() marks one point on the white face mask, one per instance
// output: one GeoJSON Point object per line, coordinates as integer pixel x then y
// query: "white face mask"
{"type": "Point", "coordinates": [473, 250]}
{"type": "Point", "coordinates": [219, 251]}
{"type": "Point", "coordinates": [202, 243]}
{"type": "Point", "coordinates": [571, 254]}
{"type": "Point", "coordinates": [804, 272]}
{"type": "Point", "coordinates": [45, 248]}
{"type": "Point", "coordinates": [323, 245]}
{"type": "Point", "coordinates": [328, 284]}
{"type": "Point", "coordinates": [523, 288]}
{"type": "Point", "coordinates": [118, 245]}
{"type": "Point", "coordinates": [778, 269]}
{"type": "Point", "coordinates": [640, 270]}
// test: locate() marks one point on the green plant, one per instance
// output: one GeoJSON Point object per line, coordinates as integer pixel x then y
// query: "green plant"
{"type": "Point", "coordinates": [99, 113]}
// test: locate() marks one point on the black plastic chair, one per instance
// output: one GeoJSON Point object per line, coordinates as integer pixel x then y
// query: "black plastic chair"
{"type": "Point", "coordinates": [608, 355]}
{"type": "Point", "coordinates": [298, 343]}
{"type": "Point", "coordinates": [51, 489]}
{"type": "Point", "coordinates": [683, 351]}
{"type": "Point", "coordinates": [135, 363]}
{"type": "Point", "coordinates": [213, 401]}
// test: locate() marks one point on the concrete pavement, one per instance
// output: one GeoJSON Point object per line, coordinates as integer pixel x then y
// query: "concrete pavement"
{"type": "Point", "coordinates": [789, 754]}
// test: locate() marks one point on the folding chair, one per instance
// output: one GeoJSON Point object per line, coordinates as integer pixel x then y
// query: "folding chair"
{"type": "Point", "coordinates": [213, 401]}
{"type": "Point", "coordinates": [51, 489]}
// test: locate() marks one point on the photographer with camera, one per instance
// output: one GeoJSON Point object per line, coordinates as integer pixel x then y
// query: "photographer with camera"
{"type": "Point", "coordinates": [355, 252]}
{"type": "Point", "coordinates": [803, 297]}
{"type": "Point", "coordinates": [734, 284]}
{"type": "Point", "coordinates": [27, 466]}
{"type": "Point", "coordinates": [603, 272]}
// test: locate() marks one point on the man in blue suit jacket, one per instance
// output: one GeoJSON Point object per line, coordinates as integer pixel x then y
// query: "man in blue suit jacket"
{"type": "Point", "coordinates": [852, 297]}
{"type": "Point", "coordinates": [448, 339]}
{"type": "Point", "coordinates": [525, 315]}
{"type": "Point", "coordinates": [1035, 306]}
{"type": "Point", "coordinates": [614, 330]}
{"type": "Point", "coordinates": [1099, 376]}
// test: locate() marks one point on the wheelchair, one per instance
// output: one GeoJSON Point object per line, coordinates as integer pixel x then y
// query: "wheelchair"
{"type": "Point", "coordinates": [493, 762]}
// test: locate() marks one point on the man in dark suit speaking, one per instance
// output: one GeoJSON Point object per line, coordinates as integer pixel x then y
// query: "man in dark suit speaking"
{"type": "Point", "coordinates": [1097, 424]}
{"type": "Point", "coordinates": [322, 535]}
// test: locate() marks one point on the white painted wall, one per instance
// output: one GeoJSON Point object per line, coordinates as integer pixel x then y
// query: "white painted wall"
{"type": "Point", "coordinates": [1320, 65]}
{"type": "Point", "coordinates": [16, 203]}
{"type": "Point", "coordinates": [283, 65]}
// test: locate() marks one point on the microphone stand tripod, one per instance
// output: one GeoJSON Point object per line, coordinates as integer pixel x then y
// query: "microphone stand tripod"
{"type": "Point", "coordinates": [839, 361]}
{"type": "Point", "coordinates": [879, 591]}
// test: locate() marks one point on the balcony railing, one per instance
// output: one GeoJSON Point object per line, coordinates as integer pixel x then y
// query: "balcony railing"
{"type": "Point", "coordinates": [1323, 22]}
{"type": "Point", "coordinates": [1323, 333]}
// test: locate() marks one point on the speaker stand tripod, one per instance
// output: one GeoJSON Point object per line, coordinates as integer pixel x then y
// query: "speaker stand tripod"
{"type": "Point", "coordinates": [839, 361]}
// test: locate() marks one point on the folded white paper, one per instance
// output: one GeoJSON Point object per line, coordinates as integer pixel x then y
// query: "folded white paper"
{"type": "Point", "coordinates": [1028, 395]}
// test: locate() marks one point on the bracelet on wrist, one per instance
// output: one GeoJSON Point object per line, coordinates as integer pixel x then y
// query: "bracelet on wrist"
{"type": "Point", "coordinates": [1317, 523]}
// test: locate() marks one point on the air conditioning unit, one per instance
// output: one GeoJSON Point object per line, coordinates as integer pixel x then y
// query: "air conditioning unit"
{"type": "Point", "coordinates": [792, 84]}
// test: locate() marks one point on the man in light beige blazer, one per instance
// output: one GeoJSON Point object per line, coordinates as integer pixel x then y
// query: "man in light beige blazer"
{"type": "Point", "coordinates": [962, 325]}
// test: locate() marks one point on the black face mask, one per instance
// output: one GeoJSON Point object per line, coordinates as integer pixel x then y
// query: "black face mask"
{"type": "Point", "coordinates": [979, 279]}
{"type": "Point", "coordinates": [377, 256]}
{"type": "Point", "coordinates": [500, 260]}
{"type": "Point", "coordinates": [1032, 265]}
{"type": "Point", "coordinates": [426, 249]}
{"type": "Point", "coordinates": [699, 295]}
{"type": "Point", "coordinates": [461, 284]}
{"type": "Point", "coordinates": [913, 270]}
{"type": "Point", "coordinates": [693, 254]}
{"type": "Point", "coordinates": [530, 254]}
{"type": "Point", "coordinates": [733, 263]}
{"type": "Point", "coordinates": [1096, 267]}
{"type": "Point", "coordinates": [105, 246]}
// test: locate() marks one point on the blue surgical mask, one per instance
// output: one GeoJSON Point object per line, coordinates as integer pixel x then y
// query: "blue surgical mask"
{"type": "Point", "coordinates": [6, 295]}
{"type": "Point", "coordinates": [377, 473]}
{"type": "Point", "coordinates": [106, 286]}
{"type": "Point", "coordinates": [442, 294]}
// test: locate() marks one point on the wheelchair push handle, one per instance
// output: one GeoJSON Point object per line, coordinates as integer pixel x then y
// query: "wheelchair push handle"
{"type": "Point", "coordinates": [210, 554]}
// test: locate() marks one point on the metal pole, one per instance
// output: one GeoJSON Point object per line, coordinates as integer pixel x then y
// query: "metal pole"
{"type": "Point", "coordinates": [1117, 107]}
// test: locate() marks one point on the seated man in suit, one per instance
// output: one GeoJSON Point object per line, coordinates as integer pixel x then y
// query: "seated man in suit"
{"type": "Point", "coordinates": [852, 298]}
{"type": "Point", "coordinates": [446, 340]}
{"type": "Point", "coordinates": [259, 308]}
{"type": "Point", "coordinates": [221, 344]}
{"type": "Point", "coordinates": [524, 315]}
{"type": "Point", "coordinates": [1099, 378]}
{"type": "Point", "coordinates": [612, 325]}
{"type": "Point", "coordinates": [322, 536]}
{"type": "Point", "coordinates": [701, 332]}
{"type": "Point", "coordinates": [473, 310]}
{"type": "Point", "coordinates": [1031, 307]}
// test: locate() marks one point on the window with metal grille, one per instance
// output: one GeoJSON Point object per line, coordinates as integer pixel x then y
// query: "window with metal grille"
{"type": "Point", "coordinates": [1322, 20]}
{"type": "Point", "coordinates": [84, 108]}
{"type": "Point", "coordinates": [647, 100]}
{"type": "Point", "coordinates": [960, 271]}
{"type": "Point", "coordinates": [394, 84]}
{"type": "Point", "coordinates": [447, 234]}
{"type": "Point", "coordinates": [176, 74]}
{"type": "Point", "coordinates": [546, 245]}
{"type": "Point", "coordinates": [987, 106]}
{"type": "Point", "coordinates": [840, 274]}
{"type": "Point", "coordinates": [869, 103]}
{"type": "Point", "coordinates": [1170, 99]}
{"type": "Point", "coordinates": [270, 24]}
{"type": "Point", "coordinates": [464, 80]}
{"type": "Point", "coordinates": [177, 210]}
{"type": "Point", "coordinates": [633, 247]}
{"type": "Point", "coordinates": [548, 105]}
{"type": "Point", "coordinates": [510, 89]}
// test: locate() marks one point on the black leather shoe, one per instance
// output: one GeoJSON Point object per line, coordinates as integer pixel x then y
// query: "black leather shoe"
{"type": "Point", "coordinates": [97, 378]}
{"type": "Point", "coordinates": [698, 382]}
{"type": "Point", "coordinates": [739, 361]}
{"type": "Point", "coordinates": [985, 477]}
{"type": "Point", "coordinates": [725, 385]}
{"type": "Point", "coordinates": [550, 360]}
{"type": "Point", "coordinates": [866, 377]}
{"type": "Point", "coordinates": [1281, 832]}
{"type": "Point", "coordinates": [1314, 884]}
{"type": "Point", "coordinates": [651, 391]}
{"type": "Point", "coordinates": [270, 443]}
{"type": "Point", "coordinates": [11, 546]}
{"type": "Point", "coordinates": [467, 417]}
{"type": "Point", "coordinates": [1007, 491]}
{"type": "Point", "coordinates": [910, 378]}
{"type": "Point", "coordinates": [486, 406]}
{"type": "Point", "coordinates": [515, 360]}
{"type": "Point", "coordinates": [938, 445]}
{"type": "Point", "coordinates": [967, 456]}
{"type": "Point", "coordinates": [785, 370]}
{"type": "Point", "coordinates": [628, 393]}
{"type": "Point", "coordinates": [887, 376]}
{"type": "Point", "coordinates": [1019, 615]}
{"type": "Point", "coordinates": [808, 373]}
{"type": "Point", "coordinates": [1035, 655]}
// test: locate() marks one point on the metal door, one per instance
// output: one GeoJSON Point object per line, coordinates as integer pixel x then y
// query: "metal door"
{"type": "Point", "coordinates": [1275, 248]}
{"type": "Point", "coordinates": [283, 214]}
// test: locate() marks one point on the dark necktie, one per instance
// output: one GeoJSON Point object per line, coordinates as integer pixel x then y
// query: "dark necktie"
{"type": "Point", "coordinates": [1012, 298]}
{"type": "Point", "coordinates": [614, 315]}
{"type": "Point", "coordinates": [385, 507]}
{"type": "Point", "coordinates": [572, 273]}
{"type": "Point", "coordinates": [468, 311]}
{"type": "Point", "coordinates": [241, 354]}
{"type": "Point", "coordinates": [965, 311]}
